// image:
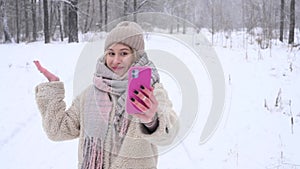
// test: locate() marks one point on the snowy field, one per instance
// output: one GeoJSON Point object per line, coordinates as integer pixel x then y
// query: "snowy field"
{"type": "Point", "coordinates": [254, 132]}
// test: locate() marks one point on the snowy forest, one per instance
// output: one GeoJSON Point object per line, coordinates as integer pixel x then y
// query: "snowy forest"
{"type": "Point", "coordinates": [63, 20]}
{"type": "Point", "coordinates": [254, 43]}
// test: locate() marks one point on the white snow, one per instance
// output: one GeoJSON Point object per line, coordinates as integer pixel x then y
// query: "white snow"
{"type": "Point", "coordinates": [249, 135]}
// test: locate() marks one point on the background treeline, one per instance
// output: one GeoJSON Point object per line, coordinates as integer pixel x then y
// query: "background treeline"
{"type": "Point", "coordinates": [59, 20]}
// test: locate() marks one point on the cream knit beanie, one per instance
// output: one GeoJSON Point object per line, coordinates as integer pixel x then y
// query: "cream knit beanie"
{"type": "Point", "coordinates": [129, 33]}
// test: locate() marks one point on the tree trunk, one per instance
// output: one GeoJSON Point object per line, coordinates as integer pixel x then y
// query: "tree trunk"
{"type": "Point", "coordinates": [52, 23]}
{"type": "Point", "coordinates": [40, 16]}
{"type": "Point", "coordinates": [105, 14]}
{"type": "Point", "coordinates": [134, 10]}
{"type": "Point", "coordinates": [185, 9]}
{"type": "Point", "coordinates": [171, 29]}
{"type": "Point", "coordinates": [243, 21]}
{"type": "Point", "coordinates": [54, 18]}
{"type": "Point", "coordinates": [17, 21]}
{"type": "Point", "coordinates": [66, 19]}
{"type": "Point", "coordinates": [212, 22]}
{"type": "Point", "coordinates": [281, 20]}
{"type": "Point", "coordinates": [26, 20]}
{"type": "Point", "coordinates": [46, 22]}
{"type": "Point", "coordinates": [101, 15]}
{"type": "Point", "coordinates": [92, 15]}
{"type": "Point", "coordinates": [7, 35]}
{"type": "Point", "coordinates": [87, 16]}
{"type": "Point", "coordinates": [61, 20]}
{"type": "Point", "coordinates": [292, 22]}
{"type": "Point", "coordinates": [177, 25]}
{"type": "Point", "coordinates": [73, 22]}
{"type": "Point", "coordinates": [34, 30]}
{"type": "Point", "coordinates": [126, 10]}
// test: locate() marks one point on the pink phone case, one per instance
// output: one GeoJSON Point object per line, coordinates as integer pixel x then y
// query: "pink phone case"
{"type": "Point", "coordinates": [137, 76]}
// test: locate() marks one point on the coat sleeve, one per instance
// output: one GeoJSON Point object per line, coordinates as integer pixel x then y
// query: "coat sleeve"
{"type": "Point", "coordinates": [58, 123]}
{"type": "Point", "coordinates": [168, 123]}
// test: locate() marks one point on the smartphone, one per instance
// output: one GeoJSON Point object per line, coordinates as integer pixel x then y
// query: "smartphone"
{"type": "Point", "coordinates": [137, 76]}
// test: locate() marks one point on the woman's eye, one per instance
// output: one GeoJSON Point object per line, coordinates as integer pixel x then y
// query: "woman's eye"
{"type": "Point", "coordinates": [111, 54]}
{"type": "Point", "coordinates": [123, 53]}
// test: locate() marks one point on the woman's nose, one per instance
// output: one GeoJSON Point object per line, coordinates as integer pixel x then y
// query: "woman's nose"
{"type": "Point", "coordinates": [117, 59]}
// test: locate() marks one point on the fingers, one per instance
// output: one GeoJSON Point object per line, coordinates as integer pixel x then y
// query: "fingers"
{"type": "Point", "coordinates": [51, 77]}
{"type": "Point", "coordinates": [139, 105]}
{"type": "Point", "coordinates": [147, 114]}
{"type": "Point", "coordinates": [146, 91]}
{"type": "Point", "coordinates": [146, 99]}
{"type": "Point", "coordinates": [38, 65]}
{"type": "Point", "coordinates": [149, 94]}
{"type": "Point", "coordinates": [146, 103]}
{"type": "Point", "coordinates": [143, 98]}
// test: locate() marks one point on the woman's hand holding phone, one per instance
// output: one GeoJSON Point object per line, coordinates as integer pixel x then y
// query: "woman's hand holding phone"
{"type": "Point", "coordinates": [141, 101]}
{"type": "Point", "coordinates": [147, 104]}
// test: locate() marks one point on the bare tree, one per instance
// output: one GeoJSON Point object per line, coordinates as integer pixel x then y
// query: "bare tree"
{"type": "Point", "coordinates": [17, 21]}
{"type": "Point", "coordinates": [212, 3]}
{"type": "Point", "coordinates": [34, 24]}
{"type": "Point", "coordinates": [46, 22]}
{"type": "Point", "coordinates": [100, 14]}
{"type": "Point", "coordinates": [7, 35]}
{"type": "Point", "coordinates": [61, 20]}
{"type": "Point", "coordinates": [40, 16]}
{"type": "Point", "coordinates": [65, 19]}
{"type": "Point", "coordinates": [185, 16]}
{"type": "Point", "coordinates": [26, 19]}
{"type": "Point", "coordinates": [52, 18]}
{"type": "Point", "coordinates": [135, 10]}
{"type": "Point", "coordinates": [292, 22]}
{"type": "Point", "coordinates": [73, 21]}
{"type": "Point", "coordinates": [57, 18]}
{"type": "Point", "coordinates": [169, 8]}
{"type": "Point", "coordinates": [137, 7]}
{"type": "Point", "coordinates": [126, 9]}
{"type": "Point", "coordinates": [281, 20]}
{"type": "Point", "coordinates": [105, 14]}
{"type": "Point", "coordinates": [89, 16]}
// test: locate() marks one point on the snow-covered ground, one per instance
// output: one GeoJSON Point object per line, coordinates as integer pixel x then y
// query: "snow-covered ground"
{"type": "Point", "coordinates": [253, 133]}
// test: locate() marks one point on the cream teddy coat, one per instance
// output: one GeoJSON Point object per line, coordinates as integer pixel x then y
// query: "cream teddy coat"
{"type": "Point", "coordinates": [139, 148]}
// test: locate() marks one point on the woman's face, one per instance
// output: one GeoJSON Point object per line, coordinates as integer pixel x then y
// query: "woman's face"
{"type": "Point", "coordinates": [119, 58]}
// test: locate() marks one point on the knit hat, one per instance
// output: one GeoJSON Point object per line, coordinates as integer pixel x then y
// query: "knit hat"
{"type": "Point", "coordinates": [129, 33]}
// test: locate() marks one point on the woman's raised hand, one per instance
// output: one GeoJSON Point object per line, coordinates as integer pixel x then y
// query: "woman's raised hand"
{"type": "Point", "coordinates": [51, 77]}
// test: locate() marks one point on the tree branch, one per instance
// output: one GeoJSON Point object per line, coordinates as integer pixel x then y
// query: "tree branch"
{"type": "Point", "coordinates": [141, 5]}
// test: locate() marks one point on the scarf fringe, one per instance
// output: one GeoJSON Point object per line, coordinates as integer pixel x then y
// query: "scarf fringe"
{"type": "Point", "coordinates": [92, 153]}
{"type": "Point", "coordinates": [124, 127]}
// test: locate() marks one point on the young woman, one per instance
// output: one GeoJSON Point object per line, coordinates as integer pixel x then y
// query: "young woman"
{"type": "Point", "coordinates": [109, 137]}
